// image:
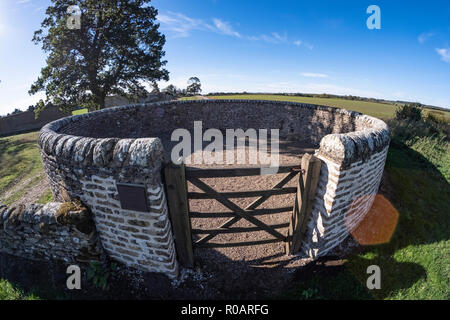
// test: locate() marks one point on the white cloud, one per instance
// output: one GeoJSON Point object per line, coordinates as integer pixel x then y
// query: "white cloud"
{"type": "Point", "coordinates": [225, 28]}
{"type": "Point", "coordinates": [273, 37]}
{"type": "Point", "coordinates": [314, 75]}
{"type": "Point", "coordinates": [444, 53]}
{"type": "Point", "coordinates": [300, 43]}
{"type": "Point", "coordinates": [180, 24]}
{"type": "Point", "coordinates": [423, 37]}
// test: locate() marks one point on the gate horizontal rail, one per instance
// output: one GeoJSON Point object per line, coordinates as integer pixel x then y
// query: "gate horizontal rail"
{"type": "Point", "coordinates": [236, 244]}
{"type": "Point", "coordinates": [255, 212]}
{"type": "Point", "coordinates": [194, 172]}
{"type": "Point", "coordinates": [244, 194]}
{"type": "Point", "coordinates": [237, 229]}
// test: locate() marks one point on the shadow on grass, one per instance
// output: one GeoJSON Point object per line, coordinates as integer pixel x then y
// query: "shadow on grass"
{"type": "Point", "coordinates": [421, 195]}
{"type": "Point", "coordinates": [330, 279]}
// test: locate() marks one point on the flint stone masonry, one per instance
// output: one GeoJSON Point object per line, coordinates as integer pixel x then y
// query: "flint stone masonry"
{"type": "Point", "coordinates": [344, 196]}
{"type": "Point", "coordinates": [36, 232]}
{"type": "Point", "coordinates": [89, 168]}
{"type": "Point", "coordinates": [85, 156]}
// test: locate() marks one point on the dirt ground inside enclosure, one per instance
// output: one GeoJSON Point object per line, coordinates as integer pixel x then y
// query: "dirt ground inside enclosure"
{"type": "Point", "coordinates": [264, 254]}
{"type": "Point", "coordinates": [249, 271]}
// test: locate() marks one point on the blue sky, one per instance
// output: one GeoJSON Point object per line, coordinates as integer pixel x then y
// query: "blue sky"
{"type": "Point", "coordinates": [270, 46]}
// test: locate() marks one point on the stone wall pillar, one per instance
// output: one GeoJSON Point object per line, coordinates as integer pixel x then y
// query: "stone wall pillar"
{"type": "Point", "coordinates": [351, 172]}
{"type": "Point", "coordinates": [90, 169]}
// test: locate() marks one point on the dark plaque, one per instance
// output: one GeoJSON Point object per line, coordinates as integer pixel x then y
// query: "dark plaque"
{"type": "Point", "coordinates": [132, 197]}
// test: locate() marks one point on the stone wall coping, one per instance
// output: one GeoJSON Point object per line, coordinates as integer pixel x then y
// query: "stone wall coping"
{"type": "Point", "coordinates": [33, 214]}
{"type": "Point", "coordinates": [342, 148]}
{"type": "Point", "coordinates": [51, 231]}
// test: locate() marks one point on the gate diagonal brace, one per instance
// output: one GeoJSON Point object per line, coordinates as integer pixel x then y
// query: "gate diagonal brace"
{"type": "Point", "coordinates": [251, 206]}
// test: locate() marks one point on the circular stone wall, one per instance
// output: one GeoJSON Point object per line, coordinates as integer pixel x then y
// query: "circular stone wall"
{"type": "Point", "coordinates": [86, 156]}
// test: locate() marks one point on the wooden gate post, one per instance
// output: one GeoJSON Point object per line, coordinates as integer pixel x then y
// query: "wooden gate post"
{"type": "Point", "coordinates": [177, 200]}
{"type": "Point", "coordinates": [306, 191]}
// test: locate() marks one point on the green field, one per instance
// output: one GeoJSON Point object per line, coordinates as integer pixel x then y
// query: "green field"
{"type": "Point", "coordinates": [379, 110]}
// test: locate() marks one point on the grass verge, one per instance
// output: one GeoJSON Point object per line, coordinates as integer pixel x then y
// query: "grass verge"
{"type": "Point", "coordinates": [9, 292]}
{"type": "Point", "coordinates": [19, 163]}
{"type": "Point", "coordinates": [46, 197]}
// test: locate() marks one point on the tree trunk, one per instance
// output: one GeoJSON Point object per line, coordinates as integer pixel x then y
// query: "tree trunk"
{"type": "Point", "coordinates": [99, 99]}
{"type": "Point", "coordinates": [102, 102]}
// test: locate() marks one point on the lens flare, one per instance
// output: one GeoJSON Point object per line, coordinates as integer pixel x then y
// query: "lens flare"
{"type": "Point", "coordinates": [378, 225]}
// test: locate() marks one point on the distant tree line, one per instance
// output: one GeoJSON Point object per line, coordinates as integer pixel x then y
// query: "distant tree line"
{"type": "Point", "coordinates": [193, 88]}
{"type": "Point", "coordinates": [17, 111]}
{"type": "Point", "coordinates": [331, 96]}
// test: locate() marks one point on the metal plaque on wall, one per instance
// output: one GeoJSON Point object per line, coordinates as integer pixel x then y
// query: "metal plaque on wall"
{"type": "Point", "coordinates": [132, 197]}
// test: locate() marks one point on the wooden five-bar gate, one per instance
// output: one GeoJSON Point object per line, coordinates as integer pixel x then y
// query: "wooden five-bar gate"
{"type": "Point", "coordinates": [176, 177]}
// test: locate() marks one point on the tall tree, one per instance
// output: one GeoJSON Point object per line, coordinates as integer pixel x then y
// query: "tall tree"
{"type": "Point", "coordinates": [171, 90]}
{"type": "Point", "coordinates": [155, 88]}
{"type": "Point", "coordinates": [194, 86]}
{"type": "Point", "coordinates": [115, 49]}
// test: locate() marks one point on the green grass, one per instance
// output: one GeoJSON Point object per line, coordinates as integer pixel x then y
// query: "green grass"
{"type": "Point", "coordinates": [81, 111]}
{"type": "Point", "coordinates": [46, 197]}
{"type": "Point", "coordinates": [9, 292]}
{"type": "Point", "coordinates": [19, 160]}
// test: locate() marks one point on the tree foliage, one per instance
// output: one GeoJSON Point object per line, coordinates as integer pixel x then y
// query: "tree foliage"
{"type": "Point", "coordinates": [117, 49]}
{"type": "Point", "coordinates": [194, 86]}
{"type": "Point", "coordinates": [155, 88]}
{"type": "Point", "coordinates": [171, 90]}
{"type": "Point", "coordinates": [409, 112]}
